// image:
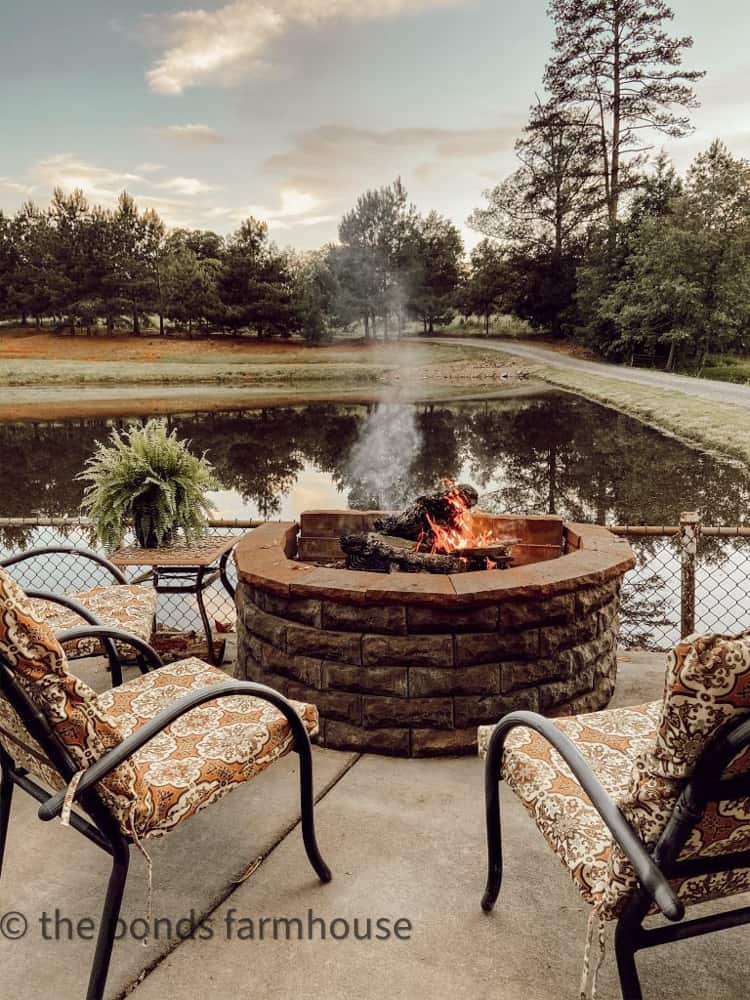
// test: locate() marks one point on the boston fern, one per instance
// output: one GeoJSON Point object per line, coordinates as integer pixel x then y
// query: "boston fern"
{"type": "Point", "coordinates": [146, 474]}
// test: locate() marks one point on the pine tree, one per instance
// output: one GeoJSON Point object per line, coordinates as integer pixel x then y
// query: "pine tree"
{"type": "Point", "coordinates": [615, 65]}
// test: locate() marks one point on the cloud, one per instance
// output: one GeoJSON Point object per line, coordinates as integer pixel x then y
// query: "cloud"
{"type": "Point", "coordinates": [324, 160]}
{"type": "Point", "coordinates": [8, 185]}
{"type": "Point", "coordinates": [180, 201]}
{"type": "Point", "coordinates": [315, 147]}
{"type": "Point", "coordinates": [68, 171]}
{"type": "Point", "coordinates": [232, 42]}
{"type": "Point", "coordinates": [186, 185]}
{"type": "Point", "coordinates": [296, 208]}
{"type": "Point", "coordinates": [191, 133]}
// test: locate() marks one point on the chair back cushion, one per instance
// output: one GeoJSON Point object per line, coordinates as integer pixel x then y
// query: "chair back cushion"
{"type": "Point", "coordinates": [69, 705]}
{"type": "Point", "coordinates": [707, 685]}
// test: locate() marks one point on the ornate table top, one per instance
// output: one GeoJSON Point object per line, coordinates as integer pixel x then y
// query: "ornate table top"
{"type": "Point", "coordinates": [202, 552]}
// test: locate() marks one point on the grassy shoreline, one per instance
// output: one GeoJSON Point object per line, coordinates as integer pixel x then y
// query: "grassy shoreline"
{"type": "Point", "coordinates": [721, 428]}
{"type": "Point", "coordinates": [127, 374]}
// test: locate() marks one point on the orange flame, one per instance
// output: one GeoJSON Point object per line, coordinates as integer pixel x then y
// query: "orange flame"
{"type": "Point", "coordinates": [461, 534]}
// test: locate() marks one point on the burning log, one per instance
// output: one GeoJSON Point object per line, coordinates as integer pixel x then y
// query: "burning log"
{"type": "Point", "coordinates": [385, 554]}
{"type": "Point", "coordinates": [417, 522]}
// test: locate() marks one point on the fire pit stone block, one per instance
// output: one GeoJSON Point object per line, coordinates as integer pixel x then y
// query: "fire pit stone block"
{"type": "Point", "coordinates": [411, 664]}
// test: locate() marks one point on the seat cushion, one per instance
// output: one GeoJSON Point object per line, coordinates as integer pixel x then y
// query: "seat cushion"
{"type": "Point", "coordinates": [707, 687]}
{"type": "Point", "coordinates": [204, 754]}
{"type": "Point", "coordinates": [609, 741]}
{"type": "Point", "coordinates": [40, 666]}
{"type": "Point", "coordinates": [642, 755]}
{"type": "Point", "coordinates": [128, 607]}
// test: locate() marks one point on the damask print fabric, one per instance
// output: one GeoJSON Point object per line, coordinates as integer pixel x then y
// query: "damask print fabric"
{"type": "Point", "coordinates": [69, 705]}
{"type": "Point", "coordinates": [204, 754]}
{"type": "Point", "coordinates": [643, 756]}
{"type": "Point", "coordinates": [194, 762]}
{"type": "Point", "coordinates": [128, 607]}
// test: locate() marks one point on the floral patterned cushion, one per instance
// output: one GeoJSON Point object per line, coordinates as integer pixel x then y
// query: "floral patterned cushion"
{"type": "Point", "coordinates": [195, 761]}
{"type": "Point", "coordinates": [204, 754]}
{"type": "Point", "coordinates": [128, 607]}
{"type": "Point", "coordinates": [642, 756]}
{"type": "Point", "coordinates": [609, 741]}
{"type": "Point", "coordinates": [29, 648]}
{"type": "Point", "coordinates": [707, 685]}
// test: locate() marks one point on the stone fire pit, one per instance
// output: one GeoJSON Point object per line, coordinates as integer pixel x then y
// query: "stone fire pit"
{"type": "Point", "coordinates": [411, 664]}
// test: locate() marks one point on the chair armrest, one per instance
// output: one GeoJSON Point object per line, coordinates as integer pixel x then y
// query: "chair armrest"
{"type": "Point", "coordinates": [88, 616]}
{"type": "Point", "coordinates": [648, 873]}
{"type": "Point", "coordinates": [53, 805]}
{"type": "Point", "coordinates": [107, 634]}
{"type": "Point", "coordinates": [71, 550]}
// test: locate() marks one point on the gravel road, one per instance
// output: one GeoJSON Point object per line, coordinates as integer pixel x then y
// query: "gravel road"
{"type": "Point", "coordinates": [721, 392]}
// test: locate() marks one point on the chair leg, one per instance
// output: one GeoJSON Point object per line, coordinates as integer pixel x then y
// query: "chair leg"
{"type": "Point", "coordinates": [494, 826]}
{"type": "Point", "coordinates": [307, 803]}
{"type": "Point", "coordinates": [112, 903]}
{"type": "Point", "coordinates": [6, 799]}
{"type": "Point", "coordinates": [626, 938]}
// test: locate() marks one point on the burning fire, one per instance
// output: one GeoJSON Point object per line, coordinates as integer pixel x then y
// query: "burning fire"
{"type": "Point", "coordinates": [460, 534]}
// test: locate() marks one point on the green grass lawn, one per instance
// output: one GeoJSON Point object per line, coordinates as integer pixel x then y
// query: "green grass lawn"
{"type": "Point", "coordinates": [720, 427]}
{"type": "Point", "coordinates": [728, 369]}
{"type": "Point", "coordinates": [340, 367]}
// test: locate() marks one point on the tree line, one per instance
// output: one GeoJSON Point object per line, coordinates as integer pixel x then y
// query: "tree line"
{"type": "Point", "coordinates": [592, 237]}
{"type": "Point", "coordinates": [601, 241]}
{"type": "Point", "coordinates": [84, 267]}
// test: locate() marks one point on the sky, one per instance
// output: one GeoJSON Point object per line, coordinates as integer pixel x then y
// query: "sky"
{"type": "Point", "coordinates": [288, 109]}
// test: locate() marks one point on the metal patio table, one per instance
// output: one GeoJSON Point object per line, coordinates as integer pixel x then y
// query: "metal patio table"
{"type": "Point", "coordinates": [185, 569]}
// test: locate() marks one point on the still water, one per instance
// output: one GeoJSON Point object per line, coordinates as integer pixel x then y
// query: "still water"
{"type": "Point", "coordinates": [554, 453]}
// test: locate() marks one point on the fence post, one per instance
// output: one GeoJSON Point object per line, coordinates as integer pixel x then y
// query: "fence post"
{"type": "Point", "coordinates": [690, 528]}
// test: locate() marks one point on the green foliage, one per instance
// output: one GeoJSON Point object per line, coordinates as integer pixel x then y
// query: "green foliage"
{"type": "Point", "coordinates": [734, 370]}
{"type": "Point", "coordinates": [432, 269]}
{"type": "Point", "coordinates": [485, 283]}
{"type": "Point", "coordinates": [615, 64]}
{"type": "Point", "coordinates": [377, 238]}
{"type": "Point", "coordinates": [315, 289]}
{"type": "Point", "coordinates": [684, 288]}
{"type": "Point", "coordinates": [149, 475]}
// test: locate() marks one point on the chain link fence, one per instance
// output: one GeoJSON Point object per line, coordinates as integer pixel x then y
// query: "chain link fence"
{"type": "Point", "coordinates": [65, 574]}
{"type": "Point", "coordinates": [689, 577]}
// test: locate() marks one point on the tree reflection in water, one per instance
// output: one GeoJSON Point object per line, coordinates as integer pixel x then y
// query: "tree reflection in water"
{"type": "Point", "coordinates": [552, 453]}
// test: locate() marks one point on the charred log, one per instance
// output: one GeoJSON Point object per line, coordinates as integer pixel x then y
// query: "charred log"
{"type": "Point", "coordinates": [385, 554]}
{"type": "Point", "coordinates": [443, 508]}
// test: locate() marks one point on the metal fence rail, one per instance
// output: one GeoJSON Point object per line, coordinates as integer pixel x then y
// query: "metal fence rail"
{"type": "Point", "coordinates": [65, 573]}
{"type": "Point", "coordinates": [689, 576]}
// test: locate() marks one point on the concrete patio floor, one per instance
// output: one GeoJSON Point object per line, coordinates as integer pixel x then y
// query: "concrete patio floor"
{"type": "Point", "coordinates": [404, 839]}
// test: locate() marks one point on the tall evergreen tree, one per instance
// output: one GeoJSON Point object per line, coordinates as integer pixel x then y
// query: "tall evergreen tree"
{"type": "Point", "coordinates": [616, 66]}
{"type": "Point", "coordinates": [378, 232]}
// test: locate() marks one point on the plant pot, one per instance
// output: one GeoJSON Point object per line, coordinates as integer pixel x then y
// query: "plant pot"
{"type": "Point", "coordinates": [146, 536]}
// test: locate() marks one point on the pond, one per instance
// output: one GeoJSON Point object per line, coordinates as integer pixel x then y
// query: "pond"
{"type": "Point", "coordinates": [553, 453]}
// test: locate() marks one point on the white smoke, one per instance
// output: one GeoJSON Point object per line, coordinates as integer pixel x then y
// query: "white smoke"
{"type": "Point", "coordinates": [380, 462]}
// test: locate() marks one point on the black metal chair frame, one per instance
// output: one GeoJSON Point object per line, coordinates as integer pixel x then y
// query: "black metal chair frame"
{"type": "Point", "coordinates": [653, 870]}
{"type": "Point", "coordinates": [101, 828]}
{"type": "Point", "coordinates": [110, 650]}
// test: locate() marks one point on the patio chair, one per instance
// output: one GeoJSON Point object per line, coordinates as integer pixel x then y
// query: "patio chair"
{"type": "Point", "coordinates": [648, 807]}
{"type": "Point", "coordinates": [138, 759]}
{"type": "Point", "coordinates": [120, 605]}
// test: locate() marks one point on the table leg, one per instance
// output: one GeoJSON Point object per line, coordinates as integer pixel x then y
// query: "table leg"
{"type": "Point", "coordinates": [212, 655]}
{"type": "Point", "coordinates": [223, 573]}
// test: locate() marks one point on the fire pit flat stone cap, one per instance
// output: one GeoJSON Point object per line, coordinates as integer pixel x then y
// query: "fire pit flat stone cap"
{"type": "Point", "coordinates": [592, 556]}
